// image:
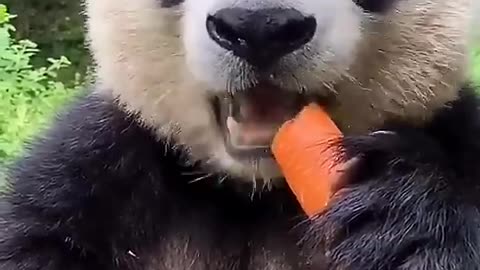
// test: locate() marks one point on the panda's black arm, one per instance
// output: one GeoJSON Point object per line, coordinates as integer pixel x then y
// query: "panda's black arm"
{"type": "Point", "coordinates": [415, 200]}
{"type": "Point", "coordinates": [69, 204]}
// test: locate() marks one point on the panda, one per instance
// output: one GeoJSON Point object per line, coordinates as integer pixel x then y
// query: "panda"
{"type": "Point", "coordinates": [164, 163]}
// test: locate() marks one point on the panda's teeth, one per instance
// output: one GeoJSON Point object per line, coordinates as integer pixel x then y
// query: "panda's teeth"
{"type": "Point", "coordinates": [250, 118]}
{"type": "Point", "coordinates": [248, 134]}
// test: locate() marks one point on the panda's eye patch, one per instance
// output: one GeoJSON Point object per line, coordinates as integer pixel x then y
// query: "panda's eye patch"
{"type": "Point", "coordinates": [375, 6]}
{"type": "Point", "coordinates": [170, 3]}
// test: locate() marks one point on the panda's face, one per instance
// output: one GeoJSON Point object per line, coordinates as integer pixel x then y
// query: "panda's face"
{"type": "Point", "coordinates": [220, 76]}
{"type": "Point", "coordinates": [268, 58]}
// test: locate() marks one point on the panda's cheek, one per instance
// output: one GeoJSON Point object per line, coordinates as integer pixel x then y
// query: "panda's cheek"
{"type": "Point", "coordinates": [343, 37]}
{"type": "Point", "coordinates": [339, 30]}
{"type": "Point", "coordinates": [200, 50]}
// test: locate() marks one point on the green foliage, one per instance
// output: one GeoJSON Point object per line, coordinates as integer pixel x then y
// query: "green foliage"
{"type": "Point", "coordinates": [57, 27]}
{"type": "Point", "coordinates": [29, 96]}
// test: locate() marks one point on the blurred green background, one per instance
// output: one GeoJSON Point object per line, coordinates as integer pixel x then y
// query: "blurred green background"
{"type": "Point", "coordinates": [44, 62]}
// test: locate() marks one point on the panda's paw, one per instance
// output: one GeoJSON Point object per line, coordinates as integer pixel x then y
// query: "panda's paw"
{"type": "Point", "coordinates": [403, 209]}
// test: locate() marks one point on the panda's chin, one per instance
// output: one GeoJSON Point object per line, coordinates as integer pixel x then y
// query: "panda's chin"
{"type": "Point", "coordinates": [249, 119]}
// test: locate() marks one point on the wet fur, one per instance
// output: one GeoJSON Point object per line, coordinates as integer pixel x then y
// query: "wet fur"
{"type": "Point", "coordinates": [123, 180]}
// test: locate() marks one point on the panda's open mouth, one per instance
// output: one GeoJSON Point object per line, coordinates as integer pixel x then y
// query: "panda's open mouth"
{"type": "Point", "coordinates": [250, 119]}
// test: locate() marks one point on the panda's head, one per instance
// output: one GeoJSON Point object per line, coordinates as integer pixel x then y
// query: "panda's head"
{"type": "Point", "coordinates": [217, 77]}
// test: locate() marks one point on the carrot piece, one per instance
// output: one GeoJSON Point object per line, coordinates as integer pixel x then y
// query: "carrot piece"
{"type": "Point", "coordinates": [303, 150]}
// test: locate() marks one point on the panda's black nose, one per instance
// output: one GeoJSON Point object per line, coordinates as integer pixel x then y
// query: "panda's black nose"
{"type": "Point", "coordinates": [261, 36]}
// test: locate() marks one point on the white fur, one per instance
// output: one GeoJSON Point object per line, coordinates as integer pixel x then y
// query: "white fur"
{"type": "Point", "coordinates": [323, 59]}
{"type": "Point", "coordinates": [161, 63]}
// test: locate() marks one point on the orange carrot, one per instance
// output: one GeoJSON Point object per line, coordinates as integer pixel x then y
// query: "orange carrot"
{"type": "Point", "coordinates": [303, 150]}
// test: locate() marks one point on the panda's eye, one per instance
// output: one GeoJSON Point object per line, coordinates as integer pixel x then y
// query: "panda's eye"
{"type": "Point", "coordinates": [375, 6]}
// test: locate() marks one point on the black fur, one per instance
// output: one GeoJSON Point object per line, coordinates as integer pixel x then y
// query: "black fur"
{"type": "Point", "coordinates": [376, 6]}
{"type": "Point", "coordinates": [100, 192]}
{"type": "Point", "coordinates": [170, 3]}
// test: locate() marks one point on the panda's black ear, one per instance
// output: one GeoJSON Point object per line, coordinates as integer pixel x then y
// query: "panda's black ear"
{"type": "Point", "coordinates": [375, 6]}
{"type": "Point", "coordinates": [170, 3]}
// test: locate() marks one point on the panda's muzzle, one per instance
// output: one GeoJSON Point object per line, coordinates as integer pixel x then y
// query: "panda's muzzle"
{"type": "Point", "coordinates": [262, 36]}
{"type": "Point", "coordinates": [250, 119]}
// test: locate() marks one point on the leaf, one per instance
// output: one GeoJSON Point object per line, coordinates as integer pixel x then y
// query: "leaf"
{"type": "Point", "coordinates": [29, 95]}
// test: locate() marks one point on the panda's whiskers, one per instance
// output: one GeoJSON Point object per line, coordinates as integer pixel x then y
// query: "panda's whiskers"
{"type": "Point", "coordinates": [240, 74]}
{"type": "Point", "coordinates": [330, 87]}
{"type": "Point", "coordinates": [222, 179]}
{"type": "Point", "coordinates": [300, 87]}
{"type": "Point", "coordinates": [163, 97]}
{"type": "Point", "coordinates": [267, 184]}
{"type": "Point", "coordinates": [203, 177]}
{"type": "Point", "coordinates": [255, 166]}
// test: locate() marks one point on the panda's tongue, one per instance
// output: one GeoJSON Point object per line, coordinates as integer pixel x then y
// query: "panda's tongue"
{"type": "Point", "coordinates": [255, 116]}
